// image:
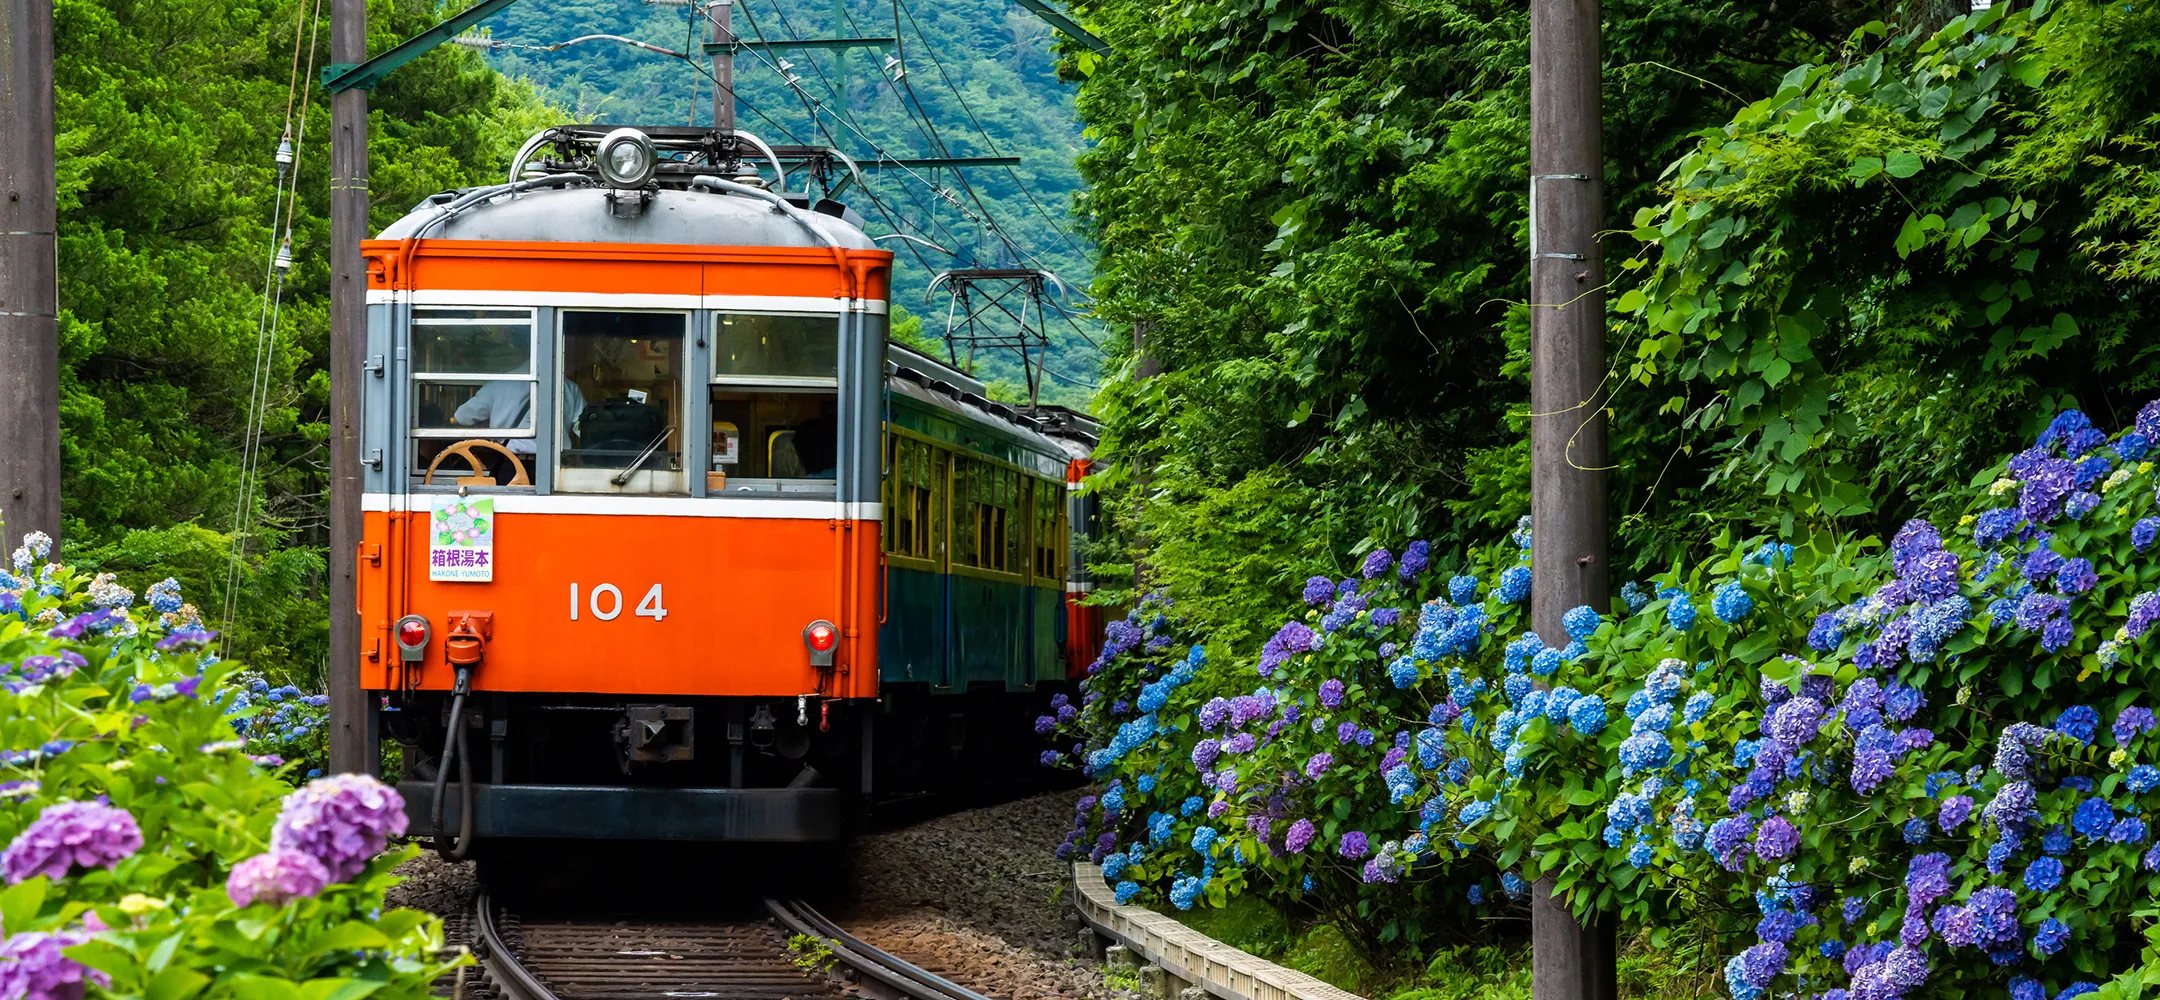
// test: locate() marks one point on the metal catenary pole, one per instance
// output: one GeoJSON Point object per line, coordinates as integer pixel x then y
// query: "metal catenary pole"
{"type": "Point", "coordinates": [723, 65]}
{"type": "Point", "coordinates": [349, 716]}
{"type": "Point", "coordinates": [1572, 960]}
{"type": "Point", "coordinates": [29, 278]}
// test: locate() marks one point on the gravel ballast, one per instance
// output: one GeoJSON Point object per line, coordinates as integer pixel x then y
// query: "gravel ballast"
{"type": "Point", "coordinates": [978, 897]}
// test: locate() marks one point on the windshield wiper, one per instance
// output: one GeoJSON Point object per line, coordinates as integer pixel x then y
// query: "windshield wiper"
{"type": "Point", "coordinates": [623, 477]}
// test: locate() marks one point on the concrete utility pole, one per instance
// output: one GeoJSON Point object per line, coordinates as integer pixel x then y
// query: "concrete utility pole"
{"type": "Point", "coordinates": [721, 14]}
{"type": "Point", "coordinates": [1570, 961]}
{"type": "Point", "coordinates": [29, 278]}
{"type": "Point", "coordinates": [349, 743]}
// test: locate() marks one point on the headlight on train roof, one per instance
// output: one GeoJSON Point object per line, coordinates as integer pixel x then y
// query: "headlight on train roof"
{"type": "Point", "coordinates": [626, 158]}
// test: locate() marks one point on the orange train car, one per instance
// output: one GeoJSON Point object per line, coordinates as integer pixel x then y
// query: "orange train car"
{"type": "Point", "coordinates": [663, 539]}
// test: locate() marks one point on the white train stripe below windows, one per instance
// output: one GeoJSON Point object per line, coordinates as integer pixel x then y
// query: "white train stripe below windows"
{"type": "Point", "coordinates": [622, 300]}
{"type": "Point", "coordinates": [739, 507]}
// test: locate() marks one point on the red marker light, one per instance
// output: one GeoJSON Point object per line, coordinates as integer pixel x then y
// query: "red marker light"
{"type": "Point", "coordinates": [822, 637]}
{"type": "Point", "coordinates": [412, 633]}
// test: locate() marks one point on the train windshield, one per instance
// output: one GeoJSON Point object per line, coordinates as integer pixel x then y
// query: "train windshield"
{"type": "Point", "coordinates": [622, 402]}
{"type": "Point", "coordinates": [472, 401]}
{"type": "Point", "coordinates": [775, 404]}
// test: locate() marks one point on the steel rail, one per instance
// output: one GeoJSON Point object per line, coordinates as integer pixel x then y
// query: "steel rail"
{"type": "Point", "coordinates": [885, 967]}
{"type": "Point", "coordinates": [499, 962]}
{"type": "Point", "coordinates": [501, 965]}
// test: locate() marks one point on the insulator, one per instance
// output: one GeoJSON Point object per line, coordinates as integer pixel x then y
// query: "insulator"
{"type": "Point", "coordinates": [284, 150]}
{"type": "Point", "coordinates": [283, 263]}
{"type": "Point", "coordinates": [786, 65]}
{"type": "Point", "coordinates": [481, 42]}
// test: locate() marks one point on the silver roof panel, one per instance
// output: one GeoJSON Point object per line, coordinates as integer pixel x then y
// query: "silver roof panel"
{"type": "Point", "coordinates": [583, 215]}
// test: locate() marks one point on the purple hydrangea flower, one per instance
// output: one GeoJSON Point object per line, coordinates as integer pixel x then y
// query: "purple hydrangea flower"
{"type": "Point", "coordinates": [2012, 807]}
{"type": "Point", "coordinates": [1205, 752]}
{"type": "Point", "coordinates": [1331, 693]}
{"type": "Point", "coordinates": [70, 834]}
{"type": "Point", "coordinates": [32, 967]}
{"type": "Point", "coordinates": [2133, 722]}
{"type": "Point", "coordinates": [1353, 845]}
{"type": "Point", "coordinates": [1762, 964]}
{"type": "Point", "coordinates": [1414, 559]}
{"type": "Point", "coordinates": [1318, 764]}
{"type": "Point", "coordinates": [1953, 813]}
{"type": "Point", "coordinates": [1376, 564]}
{"type": "Point", "coordinates": [1777, 839]}
{"type": "Point", "coordinates": [1319, 590]}
{"type": "Point", "coordinates": [2046, 490]}
{"type": "Point", "coordinates": [2143, 532]}
{"type": "Point", "coordinates": [274, 877]}
{"type": "Point", "coordinates": [342, 821]}
{"type": "Point", "coordinates": [1796, 720]}
{"type": "Point", "coordinates": [1299, 837]}
{"type": "Point", "coordinates": [2076, 577]}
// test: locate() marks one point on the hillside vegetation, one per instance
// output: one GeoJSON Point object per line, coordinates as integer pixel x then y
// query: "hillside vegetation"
{"type": "Point", "coordinates": [982, 80]}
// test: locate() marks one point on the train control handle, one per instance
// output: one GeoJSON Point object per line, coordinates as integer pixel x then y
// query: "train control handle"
{"type": "Point", "coordinates": [480, 475]}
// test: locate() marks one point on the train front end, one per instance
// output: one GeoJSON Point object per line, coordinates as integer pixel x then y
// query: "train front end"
{"type": "Point", "coordinates": [619, 576]}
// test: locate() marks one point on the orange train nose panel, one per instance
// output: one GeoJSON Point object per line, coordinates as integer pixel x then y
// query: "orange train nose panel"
{"type": "Point", "coordinates": [635, 605]}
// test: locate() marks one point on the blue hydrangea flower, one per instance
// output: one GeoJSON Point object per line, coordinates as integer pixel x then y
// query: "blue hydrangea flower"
{"type": "Point", "coordinates": [1634, 596]}
{"type": "Point", "coordinates": [2043, 875]}
{"type": "Point", "coordinates": [1546, 662]}
{"type": "Point", "coordinates": [1462, 589]}
{"type": "Point", "coordinates": [1680, 614]}
{"type": "Point", "coordinates": [1587, 715]}
{"type": "Point", "coordinates": [1403, 672]}
{"type": "Point", "coordinates": [2093, 818]}
{"type": "Point", "coordinates": [2143, 778]}
{"type": "Point", "coordinates": [1580, 621]}
{"type": "Point", "coordinates": [1730, 603]}
{"type": "Point", "coordinates": [2079, 722]}
{"type": "Point", "coordinates": [1698, 707]}
{"type": "Point", "coordinates": [1644, 752]}
{"type": "Point", "coordinates": [1514, 585]}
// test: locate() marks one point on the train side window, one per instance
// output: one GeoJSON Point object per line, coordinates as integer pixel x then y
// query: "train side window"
{"type": "Point", "coordinates": [621, 424]}
{"type": "Point", "coordinates": [757, 348]}
{"type": "Point", "coordinates": [472, 379]}
{"type": "Point", "coordinates": [775, 404]}
{"type": "Point", "coordinates": [990, 494]}
{"type": "Point", "coordinates": [910, 499]}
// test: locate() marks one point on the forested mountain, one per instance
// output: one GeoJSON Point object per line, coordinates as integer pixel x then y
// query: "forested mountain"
{"type": "Point", "coordinates": [981, 80]}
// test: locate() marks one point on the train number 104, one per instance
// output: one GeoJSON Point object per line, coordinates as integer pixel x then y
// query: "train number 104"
{"type": "Point", "coordinates": [605, 602]}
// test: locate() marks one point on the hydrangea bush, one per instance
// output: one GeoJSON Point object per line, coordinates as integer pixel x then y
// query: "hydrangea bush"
{"type": "Point", "coordinates": [148, 854]}
{"type": "Point", "coordinates": [1871, 770]}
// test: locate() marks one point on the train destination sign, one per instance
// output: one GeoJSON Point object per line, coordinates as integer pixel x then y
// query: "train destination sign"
{"type": "Point", "coordinates": [461, 539]}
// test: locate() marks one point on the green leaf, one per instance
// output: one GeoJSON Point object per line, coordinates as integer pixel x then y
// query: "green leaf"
{"type": "Point", "coordinates": [19, 904]}
{"type": "Point", "coordinates": [351, 935]}
{"type": "Point", "coordinates": [175, 984]}
{"type": "Point", "coordinates": [338, 989]}
{"type": "Point", "coordinates": [1902, 164]}
{"type": "Point", "coordinates": [1864, 168]}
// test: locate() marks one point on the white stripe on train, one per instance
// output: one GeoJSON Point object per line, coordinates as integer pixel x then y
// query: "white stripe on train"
{"type": "Point", "coordinates": [621, 300]}
{"type": "Point", "coordinates": [742, 507]}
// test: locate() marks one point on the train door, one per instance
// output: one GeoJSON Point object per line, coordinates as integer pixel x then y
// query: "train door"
{"type": "Point", "coordinates": [942, 517]}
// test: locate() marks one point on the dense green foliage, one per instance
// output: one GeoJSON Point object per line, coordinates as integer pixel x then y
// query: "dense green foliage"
{"type": "Point", "coordinates": [1315, 214]}
{"type": "Point", "coordinates": [132, 813]}
{"type": "Point", "coordinates": [168, 115]}
{"type": "Point", "coordinates": [982, 80]}
{"type": "Point", "coordinates": [1929, 762]}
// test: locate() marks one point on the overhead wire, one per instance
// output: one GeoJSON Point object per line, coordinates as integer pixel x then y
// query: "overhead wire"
{"type": "Point", "coordinates": [810, 105]}
{"type": "Point", "coordinates": [284, 206]}
{"type": "Point", "coordinates": [988, 140]}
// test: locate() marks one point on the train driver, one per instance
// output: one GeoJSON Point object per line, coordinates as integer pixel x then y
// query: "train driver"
{"type": "Point", "coordinates": [508, 403]}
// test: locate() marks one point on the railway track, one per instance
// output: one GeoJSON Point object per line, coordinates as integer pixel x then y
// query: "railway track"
{"type": "Point", "coordinates": [748, 959]}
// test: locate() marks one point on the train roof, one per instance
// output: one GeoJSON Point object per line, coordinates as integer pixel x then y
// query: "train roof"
{"type": "Point", "coordinates": [557, 193]}
{"type": "Point", "coordinates": [582, 214]}
{"type": "Point", "coordinates": [1054, 430]}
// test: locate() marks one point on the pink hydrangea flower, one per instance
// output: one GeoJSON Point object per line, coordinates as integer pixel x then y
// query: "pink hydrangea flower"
{"type": "Point", "coordinates": [341, 821]}
{"type": "Point", "coordinates": [67, 834]}
{"type": "Point", "coordinates": [276, 877]}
